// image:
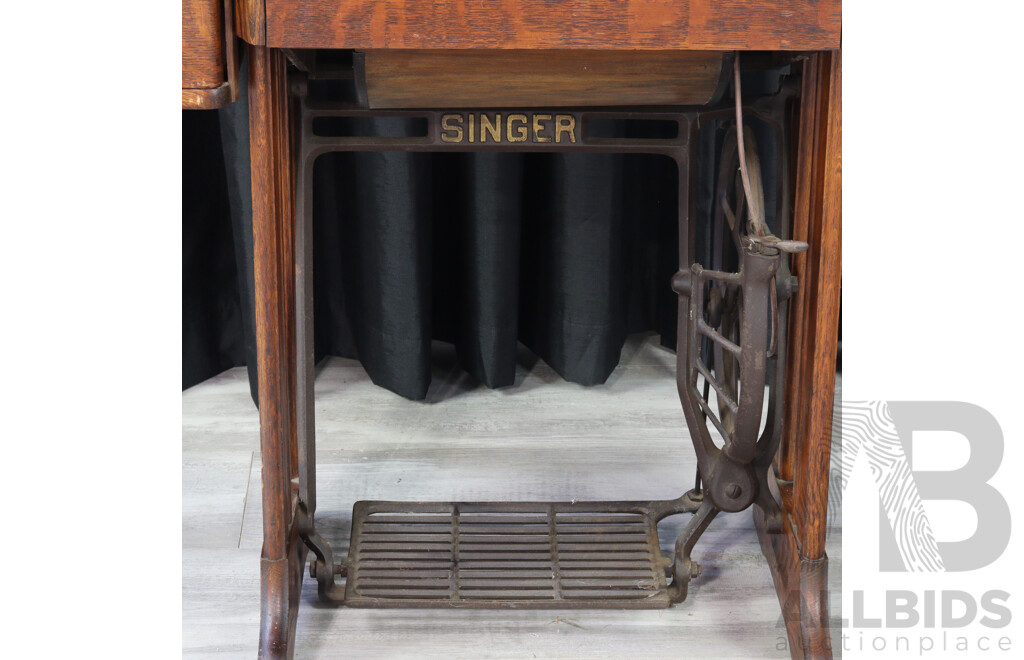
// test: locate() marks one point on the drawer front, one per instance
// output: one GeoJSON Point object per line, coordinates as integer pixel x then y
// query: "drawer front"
{"type": "Point", "coordinates": [202, 44]}
{"type": "Point", "coordinates": [532, 78]}
{"type": "Point", "coordinates": [208, 62]}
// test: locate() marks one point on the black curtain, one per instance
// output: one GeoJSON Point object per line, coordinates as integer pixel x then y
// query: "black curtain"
{"type": "Point", "coordinates": [563, 253]}
{"type": "Point", "coordinates": [484, 251]}
{"type": "Point", "coordinates": [212, 333]}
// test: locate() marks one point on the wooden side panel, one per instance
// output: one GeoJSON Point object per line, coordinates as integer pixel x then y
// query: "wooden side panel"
{"type": "Point", "coordinates": [525, 78]}
{"type": "Point", "coordinates": [543, 24]}
{"type": "Point", "coordinates": [808, 131]}
{"type": "Point", "coordinates": [202, 44]}
{"type": "Point", "coordinates": [814, 319]}
{"type": "Point", "coordinates": [274, 264]}
{"type": "Point", "coordinates": [811, 478]}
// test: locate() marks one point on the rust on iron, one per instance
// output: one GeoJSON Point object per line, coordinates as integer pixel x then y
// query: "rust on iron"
{"type": "Point", "coordinates": [730, 341]}
{"type": "Point", "coordinates": [509, 554]}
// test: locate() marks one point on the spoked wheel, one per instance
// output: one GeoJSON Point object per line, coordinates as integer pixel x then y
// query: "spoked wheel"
{"type": "Point", "coordinates": [732, 329]}
{"type": "Point", "coordinates": [728, 320]}
{"type": "Point", "coordinates": [732, 219]}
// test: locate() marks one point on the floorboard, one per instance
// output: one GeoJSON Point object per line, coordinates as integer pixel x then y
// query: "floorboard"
{"type": "Point", "coordinates": [543, 439]}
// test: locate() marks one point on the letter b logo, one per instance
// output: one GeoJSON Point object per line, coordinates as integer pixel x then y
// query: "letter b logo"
{"type": "Point", "coordinates": [883, 431]}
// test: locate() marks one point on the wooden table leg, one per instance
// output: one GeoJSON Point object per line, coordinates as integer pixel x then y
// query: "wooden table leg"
{"type": "Point", "coordinates": [283, 553]}
{"type": "Point", "coordinates": [797, 555]}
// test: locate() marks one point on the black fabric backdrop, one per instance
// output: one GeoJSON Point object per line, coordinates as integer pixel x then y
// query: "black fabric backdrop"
{"type": "Point", "coordinates": [212, 320]}
{"type": "Point", "coordinates": [564, 253]}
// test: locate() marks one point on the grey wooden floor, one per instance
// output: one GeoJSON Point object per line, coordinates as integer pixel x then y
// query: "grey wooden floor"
{"type": "Point", "coordinates": [543, 439]}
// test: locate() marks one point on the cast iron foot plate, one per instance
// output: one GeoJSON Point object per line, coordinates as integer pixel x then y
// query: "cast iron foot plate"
{"type": "Point", "coordinates": [550, 555]}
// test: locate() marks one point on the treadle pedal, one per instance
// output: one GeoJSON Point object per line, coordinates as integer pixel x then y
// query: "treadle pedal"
{"type": "Point", "coordinates": [541, 555]}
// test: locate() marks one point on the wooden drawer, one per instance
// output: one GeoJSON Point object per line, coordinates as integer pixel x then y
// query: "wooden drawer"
{"type": "Point", "coordinates": [532, 78]}
{"type": "Point", "coordinates": [208, 69]}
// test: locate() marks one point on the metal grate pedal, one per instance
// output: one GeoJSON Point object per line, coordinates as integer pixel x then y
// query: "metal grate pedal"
{"type": "Point", "coordinates": [505, 555]}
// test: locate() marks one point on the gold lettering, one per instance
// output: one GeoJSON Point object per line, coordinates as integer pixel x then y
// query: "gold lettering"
{"type": "Point", "coordinates": [517, 127]}
{"type": "Point", "coordinates": [487, 127]}
{"type": "Point", "coordinates": [565, 124]}
{"type": "Point", "coordinates": [520, 133]}
{"type": "Point", "coordinates": [538, 127]}
{"type": "Point", "coordinates": [452, 128]}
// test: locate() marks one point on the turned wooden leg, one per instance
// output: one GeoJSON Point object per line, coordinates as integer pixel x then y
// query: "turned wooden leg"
{"type": "Point", "coordinates": [797, 555]}
{"type": "Point", "coordinates": [274, 253]}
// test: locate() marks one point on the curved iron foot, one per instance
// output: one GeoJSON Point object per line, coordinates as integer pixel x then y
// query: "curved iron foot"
{"type": "Point", "coordinates": [323, 569]}
{"type": "Point", "coordinates": [684, 568]}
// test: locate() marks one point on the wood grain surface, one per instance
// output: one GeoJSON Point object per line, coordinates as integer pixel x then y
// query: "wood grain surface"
{"type": "Point", "coordinates": [251, 21]}
{"type": "Point", "coordinates": [814, 312]}
{"type": "Point", "coordinates": [542, 24]}
{"type": "Point", "coordinates": [811, 474]}
{"type": "Point", "coordinates": [274, 267]}
{"type": "Point", "coordinates": [209, 62]}
{"type": "Point", "coordinates": [531, 78]}
{"type": "Point", "coordinates": [208, 99]}
{"type": "Point", "coordinates": [202, 44]}
{"type": "Point", "coordinates": [808, 132]}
